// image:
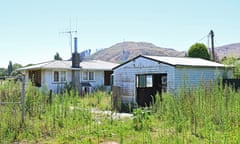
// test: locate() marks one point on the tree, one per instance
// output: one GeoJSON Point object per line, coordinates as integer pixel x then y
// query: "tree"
{"type": "Point", "coordinates": [15, 67]}
{"type": "Point", "coordinates": [232, 61]}
{"type": "Point", "coordinates": [3, 72]}
{"type": "Point", "coordinates": [10, 68]}
{"type": "Point", "coordinates": [229, 60]}
{"type": "Point", "coordinates": [57, 56]}
{"type": "Point", "coordinates": [199, 50]}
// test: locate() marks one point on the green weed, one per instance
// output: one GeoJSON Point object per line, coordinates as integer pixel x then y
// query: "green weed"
{"type": "Point", "coordinates": [205, 114]}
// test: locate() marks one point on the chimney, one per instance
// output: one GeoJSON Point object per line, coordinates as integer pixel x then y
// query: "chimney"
{"type": "Point", "coordinates": [76, 72]}
{"type": "Point", "coordinates": [75, 45]}
{"type": "Point", "coordinates": [75, 55]}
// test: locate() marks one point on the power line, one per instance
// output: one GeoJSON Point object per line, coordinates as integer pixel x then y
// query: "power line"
{"type": "Point", "coordinates": [209, 36]}
{"type": "Point", "coordinates": [203, 37]}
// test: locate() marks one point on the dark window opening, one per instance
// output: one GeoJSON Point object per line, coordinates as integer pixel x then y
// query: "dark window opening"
{"type": "Point", "coordinates": [55, 76]}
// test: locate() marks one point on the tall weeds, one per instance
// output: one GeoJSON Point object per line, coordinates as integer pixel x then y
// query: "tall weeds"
{"type": "Point", "coordinates": [205, 114]}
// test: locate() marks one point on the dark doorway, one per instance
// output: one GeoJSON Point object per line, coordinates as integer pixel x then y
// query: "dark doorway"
{"type": "Point", "coordinates": [35, 77]}
{"type": "Point", "coordinates": [148, 85]}
{"type": "Point", "coordinates": [107, 78]}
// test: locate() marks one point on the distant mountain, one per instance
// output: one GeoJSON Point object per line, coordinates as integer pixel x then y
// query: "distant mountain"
{"type": "Point", "coordinates": [123, 51]}
{"type": "Point", "coordinates": [230, 50]}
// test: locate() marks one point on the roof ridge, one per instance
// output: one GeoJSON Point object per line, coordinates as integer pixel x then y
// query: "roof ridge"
{"type": "Point", "coordinates": [180, 57]}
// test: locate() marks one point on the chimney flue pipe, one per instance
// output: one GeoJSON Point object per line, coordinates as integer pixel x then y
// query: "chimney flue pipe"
{"type": "Point", "coordinates": [75, 45]}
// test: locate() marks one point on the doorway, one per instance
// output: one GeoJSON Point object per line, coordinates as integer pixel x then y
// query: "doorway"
{"type": "Point", "coordinates": [35, 77]}
{"type": "Point", "coordinates": [148, 85]}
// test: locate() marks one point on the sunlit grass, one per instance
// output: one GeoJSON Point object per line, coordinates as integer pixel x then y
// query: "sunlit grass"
{"type": "Point", "coordinates": [206, 114]}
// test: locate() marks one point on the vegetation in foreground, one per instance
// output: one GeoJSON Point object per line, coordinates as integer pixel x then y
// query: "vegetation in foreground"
{"type": "Point", "coordinates": [204, 115]}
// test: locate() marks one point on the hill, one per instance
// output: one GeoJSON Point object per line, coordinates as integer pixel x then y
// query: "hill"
{"type": "Point", "coordinates": [126, 50]}
{"type": "Point", "coordinates": [228, 50]}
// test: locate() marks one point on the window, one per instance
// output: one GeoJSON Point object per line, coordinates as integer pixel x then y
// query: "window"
{"type": "Point", "coordinates": [144, 81]}
{"type": "Point", "coordinates": [59, 76]}
{"type": "Point", "coordinates": [85, 76]}
{"type": "Point", "coordinates": [88, 76]}
{"type": "Point", "coordinates": [55, 76]}
{"type": "Point", "coordinates": [63, 76]}
{"type": "Point", "coordinates": [149, 82]}
{"type": "Point", "coordinates": [164, 83]}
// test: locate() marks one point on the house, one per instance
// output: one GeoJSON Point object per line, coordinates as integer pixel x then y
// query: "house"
{"type": "Point", "coordinates": [138, 80]}
{"type": "Point", "coordinates": [85, 76]}
{"type": "Point", "coordinates": [56, 74]}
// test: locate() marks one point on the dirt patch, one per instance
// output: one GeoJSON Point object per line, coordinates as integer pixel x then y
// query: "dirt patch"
{"type": "Point", "coordinates": [109, 142]}
{"type": "Point", "coordinates": [114, 115]}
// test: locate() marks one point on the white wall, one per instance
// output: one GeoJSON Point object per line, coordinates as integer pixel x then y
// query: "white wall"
{"type": "Point", "coordinates": [47, 79]}
{"type": "Point", "coordinates": [98, 78]}
{"type": "Point", "coordinates": [125, 75]}
{"type": "Point", "coordinates": [48, 76]}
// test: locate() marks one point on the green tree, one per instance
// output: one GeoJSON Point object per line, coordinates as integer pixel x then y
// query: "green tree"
{"type": "Point", "coordinates": [15, 67]}
{"type": "Point", "coordinates": [3, 72]}
{"type": "Point", "coordinates": [232, 61]}
{"type": "Point", "coordinates": [57, 56]}
{"type": "Point", "coordinates": [10, 68]}
{"type": "Point", "coordinates": [229, 60]}
{"type": "Point", "coordinates": [199, 50]}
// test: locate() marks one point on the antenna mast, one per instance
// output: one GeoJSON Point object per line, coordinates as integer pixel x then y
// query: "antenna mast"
{"type": "Point", "coordinates": [70, 32]}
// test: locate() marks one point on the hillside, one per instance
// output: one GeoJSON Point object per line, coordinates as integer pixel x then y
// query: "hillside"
{"type": "Point", "coordinates": [127, 50]}
{"type": "Point", "coordinates": [228, 50]}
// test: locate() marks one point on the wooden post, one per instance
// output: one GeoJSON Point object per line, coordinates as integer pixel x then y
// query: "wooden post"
{"type": "Point", "coordinates": [50, 97]}
{"type": "Point", "coordinates": [212, 44]}
{"type": "Point", "coordinates": [23, 100]}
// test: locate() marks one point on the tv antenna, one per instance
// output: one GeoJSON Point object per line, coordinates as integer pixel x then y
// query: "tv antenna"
{"type": "Point", "coordinates": [70, 32]}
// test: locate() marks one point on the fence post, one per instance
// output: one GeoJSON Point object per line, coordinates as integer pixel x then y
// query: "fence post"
{"type": "Point", "coordinates": [23, 101]}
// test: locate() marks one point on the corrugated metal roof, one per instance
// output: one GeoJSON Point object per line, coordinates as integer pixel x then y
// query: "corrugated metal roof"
{"type": "Point", "coordinates": [85, 65]}
{"type": "Point", "coordinates": [185, 61]}
{"type": "Point", "coordinates": [178, 61]}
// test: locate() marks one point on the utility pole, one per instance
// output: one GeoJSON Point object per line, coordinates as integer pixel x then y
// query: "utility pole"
{"type": "Point", "coordinates": [211, 33]}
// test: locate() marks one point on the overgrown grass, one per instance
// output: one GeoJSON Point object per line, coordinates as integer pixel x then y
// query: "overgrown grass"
{"type": "Point", "coordinates": [206, 114]}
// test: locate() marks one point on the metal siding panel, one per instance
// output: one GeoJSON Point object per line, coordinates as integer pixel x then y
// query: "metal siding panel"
{"type": "Point", "coordinates": [192, 77]}
{"type": "Point", "coordinates": [124, 76]}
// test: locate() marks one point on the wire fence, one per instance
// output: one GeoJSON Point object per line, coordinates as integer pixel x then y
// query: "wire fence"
{"type": "Point", "coordinates": [12, 94]}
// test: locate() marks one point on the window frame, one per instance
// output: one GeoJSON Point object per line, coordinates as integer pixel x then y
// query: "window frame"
{"type": "Point", "coordinates": [61, 76]}
{"type": "Point", "coordinates": [144, 80]}
{"type": "Point", "coordinates": [86, 75]}
{"type": "Point", "coordinates": [55, 76]}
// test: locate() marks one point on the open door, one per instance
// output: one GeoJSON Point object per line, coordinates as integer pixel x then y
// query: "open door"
{"type": "Point", "coordinates": [147, 86]}
{"type": "Point", "coordinates": [35, 77]}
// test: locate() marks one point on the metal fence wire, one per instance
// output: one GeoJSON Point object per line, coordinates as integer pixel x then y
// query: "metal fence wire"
{"type": "Point", "coordinates": [12, 94]}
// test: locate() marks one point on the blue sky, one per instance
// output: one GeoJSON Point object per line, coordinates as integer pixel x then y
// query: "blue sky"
{"type": "Point", "coordinates": [30, 31]}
